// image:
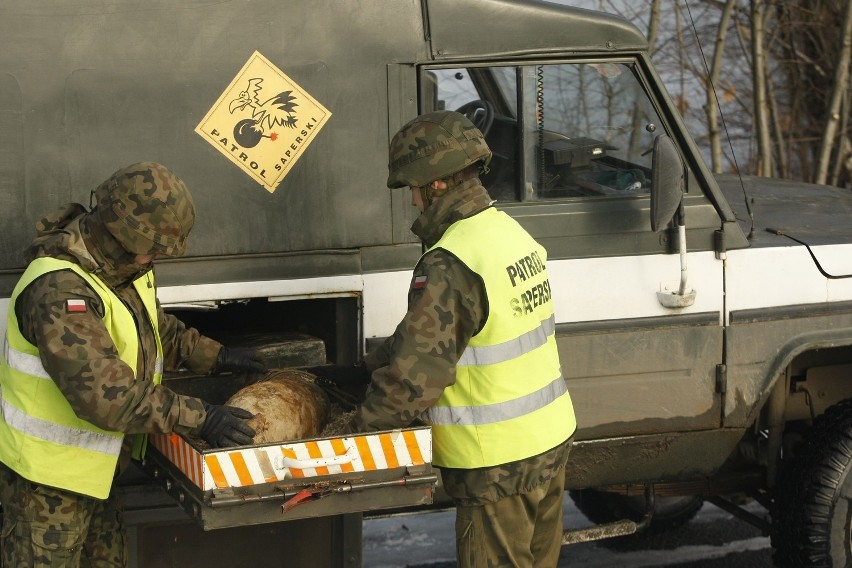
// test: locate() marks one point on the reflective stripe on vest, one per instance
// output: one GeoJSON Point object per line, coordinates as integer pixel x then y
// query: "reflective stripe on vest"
{"type": "Point", "coordinates": [497, 412]}
{"type": "Point", "coordinates": [493, 354]}
{"type": "Point", "coordinates": [24, 362]}
{"type": "Point", "coordinates": [49, 431]}
{"type": "Point", "coordinates": [509, 400]}
{"type": "Point", "coordinates": [41, 438]}
{"type": "Point", "coordinates": [31, 364]}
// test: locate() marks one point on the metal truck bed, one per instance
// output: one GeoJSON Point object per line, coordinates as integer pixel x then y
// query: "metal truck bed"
{"type": "Point", "coordinates": [270, 482]}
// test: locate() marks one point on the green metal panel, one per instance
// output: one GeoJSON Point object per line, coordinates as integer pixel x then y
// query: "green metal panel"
{"type": "Point", "coordinates": [643, 375]}
{"type": "Point", "coordinates": [671, 456]}
{"type": "Point", "coordinates": [91, 86]}
{"type": "Point", "coordinates": [402, 107]}
{"type": "Point", "coordinates": [762, 342]}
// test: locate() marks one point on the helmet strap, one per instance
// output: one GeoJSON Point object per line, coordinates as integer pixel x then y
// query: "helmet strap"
{"type": "Point", "coordinates": [430, 192]}
{"type": "Point", "coordinates": [425, 195]}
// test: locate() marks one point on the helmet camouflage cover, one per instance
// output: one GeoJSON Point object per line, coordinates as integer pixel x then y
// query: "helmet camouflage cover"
{"type": "Point", "coordinates": [147, 208]}
{"type": "Point", "coordinates": [434, 146]}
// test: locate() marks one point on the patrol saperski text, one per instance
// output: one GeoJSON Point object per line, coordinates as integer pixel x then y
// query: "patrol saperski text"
{"type": "Point", "coordinates": [522, 270]}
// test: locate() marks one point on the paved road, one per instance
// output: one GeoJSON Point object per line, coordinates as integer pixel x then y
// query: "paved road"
{"type": "Point", "coordinates": [713, 539]}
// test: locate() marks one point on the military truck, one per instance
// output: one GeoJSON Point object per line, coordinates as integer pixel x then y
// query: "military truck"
{"type": "Point", "coordinates": [704, 322]}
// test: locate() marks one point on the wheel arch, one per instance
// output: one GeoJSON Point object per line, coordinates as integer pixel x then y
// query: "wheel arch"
{"type": "Point", "coordinates": [798, 355]}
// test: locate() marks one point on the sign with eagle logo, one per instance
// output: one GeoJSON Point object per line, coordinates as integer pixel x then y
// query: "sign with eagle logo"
{"type": "Point", "coordinates": [263, 122]}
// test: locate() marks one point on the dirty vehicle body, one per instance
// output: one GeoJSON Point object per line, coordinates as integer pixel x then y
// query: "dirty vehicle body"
{"type": "Point", "coordinates": [693, 375]}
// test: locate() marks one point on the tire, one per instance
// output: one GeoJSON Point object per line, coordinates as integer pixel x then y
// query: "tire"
{"type": "Point", "coordinates": [669, 512]}
{"type": "Point", "coordinates": [812, 512]}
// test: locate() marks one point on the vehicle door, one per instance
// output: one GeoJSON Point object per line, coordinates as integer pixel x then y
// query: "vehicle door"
{"type": "Point", "coordinates": [573, 162]}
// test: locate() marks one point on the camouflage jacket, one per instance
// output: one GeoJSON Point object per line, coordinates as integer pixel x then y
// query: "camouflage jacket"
{"type": "Point", "coordinates": [81, 356]}
{"type": "Point", "coordinates": [447, 305]}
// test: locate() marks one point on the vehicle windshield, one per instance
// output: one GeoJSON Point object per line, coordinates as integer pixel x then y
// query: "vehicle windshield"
{"type": "Point", "coordinates": [564, 130]}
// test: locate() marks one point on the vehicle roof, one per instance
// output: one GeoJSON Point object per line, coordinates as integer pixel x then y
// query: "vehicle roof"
{"type": "Point", "coordinates": [494, 28]}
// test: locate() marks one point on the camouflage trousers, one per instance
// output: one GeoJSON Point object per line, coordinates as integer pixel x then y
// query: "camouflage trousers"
{"type": "Point", "coordinates": [520, 531]}
{"type": "Point", "coordinates": [48, 527]}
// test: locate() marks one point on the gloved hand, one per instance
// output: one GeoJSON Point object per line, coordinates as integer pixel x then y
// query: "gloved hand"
{"type": "Point", "coordinates": [239, 359]}
{"type": "Point", "coordinates": [225, 426]}
{"type": "Point", "coordinates": [342, 375]}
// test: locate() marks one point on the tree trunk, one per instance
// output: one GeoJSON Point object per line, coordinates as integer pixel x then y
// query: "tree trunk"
{"type": "Point", "coordinates": [779, 140]}
{"type": "Point", "coordinates": [712, 99]}
{"type": "Point", "coordinates": [682, 65]}
{"type": "Point", "coordinates": [761, 108]}
{"type": "Point", "coordinates": [841, 166]}
{"type": "Point", "coordinates": [654, 25]}
{"type": "Point", "coordinates": [841, 83]}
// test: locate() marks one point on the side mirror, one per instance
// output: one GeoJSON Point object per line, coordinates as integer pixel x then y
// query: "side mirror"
{"type": "Point", "coordinates": [666, 182]}
{"type": "Point", "coordinates": [666, 200]}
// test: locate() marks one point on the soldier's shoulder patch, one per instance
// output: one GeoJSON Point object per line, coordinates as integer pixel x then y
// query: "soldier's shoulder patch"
{"type": "Point", "coordinates": [418, 283]}
{"type": "Point", "coordinates": [76, 306]}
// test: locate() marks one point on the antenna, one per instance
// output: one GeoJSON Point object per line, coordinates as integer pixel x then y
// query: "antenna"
{"type": "Point", "coordinates": [724, 122]}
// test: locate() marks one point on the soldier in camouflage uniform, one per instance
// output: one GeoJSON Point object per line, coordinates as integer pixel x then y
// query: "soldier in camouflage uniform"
{"type": "Point", "coordinates": [63, 327]}
{"type": "Point", "coordinates": [505, 474]}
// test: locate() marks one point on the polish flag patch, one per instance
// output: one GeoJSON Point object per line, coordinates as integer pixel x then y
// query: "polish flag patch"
{"type": "Point", "coordinates": [418, 283]}
{"type": "Point", "coordinates": [76, 306]}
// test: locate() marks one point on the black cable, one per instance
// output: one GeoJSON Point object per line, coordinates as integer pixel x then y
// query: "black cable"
{"type": "Point", "coordinates": [811, 252]}
{"type": "Point", "coordinates": [539, 103]}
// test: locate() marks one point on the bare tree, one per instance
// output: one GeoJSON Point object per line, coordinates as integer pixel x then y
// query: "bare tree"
{"type": "Point", "coordinates": [841, 86]}
{"type": "Point", "coordinates": [712, 107]}
{"type": "Point", "coordinates": [761, 108]}
{"type": "Point", "coordinates": [813, 51]}
{"type": "Point", "coordinates": [782, 71]}
{"type": "Point", "coordinates": [654, 24]}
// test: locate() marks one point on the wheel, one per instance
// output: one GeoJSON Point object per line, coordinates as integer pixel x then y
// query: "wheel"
{"type": "Point", "coordinates": [669, 512]}
{"type": "Point", "coordinates": [480, 112]}
{"type": "Point", "coordinates": [812, 511]}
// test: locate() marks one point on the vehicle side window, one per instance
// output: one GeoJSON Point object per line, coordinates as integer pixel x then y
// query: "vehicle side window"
{"type": "Point", "coordinates": [449, 89]}
{"type": "Point", "coordinates": [585, 130]}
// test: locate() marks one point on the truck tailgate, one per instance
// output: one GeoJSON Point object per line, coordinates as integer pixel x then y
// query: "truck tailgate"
{"type": "Point", "coordinates": [282, 481]}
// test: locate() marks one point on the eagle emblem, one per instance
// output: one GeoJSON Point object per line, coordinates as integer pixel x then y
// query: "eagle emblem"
{"type": "Point", "coordinates": [278, 110]}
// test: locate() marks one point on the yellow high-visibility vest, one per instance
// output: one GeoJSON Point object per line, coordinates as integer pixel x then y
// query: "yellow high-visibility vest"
{"type": "Point", "coordinates": [41, 438]}
{"type": "Point", "coordinates": [509, 401]}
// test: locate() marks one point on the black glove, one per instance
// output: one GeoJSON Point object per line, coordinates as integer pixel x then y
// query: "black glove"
{"type": "Point", "coordinates": [225, 426]}
{"type": "Point", "coordinates": [342, 375]}
{"type": "Point", "coordinates": [239, 359]}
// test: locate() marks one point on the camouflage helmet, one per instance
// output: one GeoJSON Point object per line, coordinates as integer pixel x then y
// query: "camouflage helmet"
{"type": "Point", "coordinates": [434, 146]}
{"type": "Point", "coordinates": [147, 208]}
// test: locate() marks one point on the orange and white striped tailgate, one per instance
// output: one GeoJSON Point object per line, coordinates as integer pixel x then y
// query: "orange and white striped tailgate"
{"type": "Point", "coordinates": [241, 467]}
